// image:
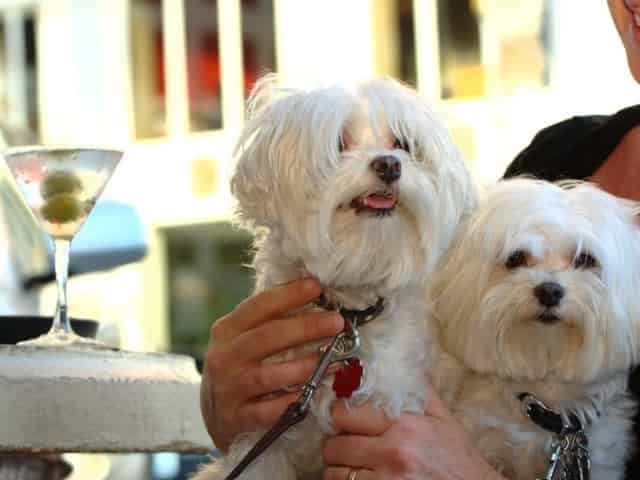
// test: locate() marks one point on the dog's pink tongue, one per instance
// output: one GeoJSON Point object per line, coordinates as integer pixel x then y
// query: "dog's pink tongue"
{"type": "Point", "coordinates": [380, 201]}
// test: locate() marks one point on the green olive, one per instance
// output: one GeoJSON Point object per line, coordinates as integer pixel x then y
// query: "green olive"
{"type": "Point", "coordinates": [61, 208]}
{"type": "Point", "coordinates": [60, 182]}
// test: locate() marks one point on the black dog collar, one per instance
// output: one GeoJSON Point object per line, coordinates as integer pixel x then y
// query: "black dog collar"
{"type": "Point", "coordinates": [357, 318]}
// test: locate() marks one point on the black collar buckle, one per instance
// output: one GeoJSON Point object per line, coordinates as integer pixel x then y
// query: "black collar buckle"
{"type": "Point", "coordinates": [543, 416]}
{"type": "Point", "coordinates": [570, 455]}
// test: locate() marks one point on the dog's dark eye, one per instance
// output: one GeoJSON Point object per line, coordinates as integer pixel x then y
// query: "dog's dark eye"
{"type": "Point", "coordinates": [401, 144]}
{"type": "Point", "coordinates": [585, 260]}
{"type": "Point", "coordinates": [516, 259]}
{"type": "Point", "coordinates": [340, 144]}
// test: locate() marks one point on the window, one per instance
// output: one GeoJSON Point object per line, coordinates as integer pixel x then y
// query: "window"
{"type": "Point", "coordinates": [258, 40]}
{"type": "Point", "coordinates": [407, 42]}
{"type": "Point", "coordinates": [180, 84]}
{"type": "Point", "coordinates": [207, 279]}
{"type": "Point", "coordinates": [493, 47]}
{"type": "Point", "coordinates": [31, 80]}
{"type": "Point", "coordinates": [147, 60]}
{"type": "Point", "coordinates": [394, 39]}
{"type": "Point", "coordinates": [19, 78]}
{"type": "Point", "coordinates": [461, 73]}
{"type": "Point", "coordinates": [479, 47]}
{"type": "Point", "coordinates": [203, 65]}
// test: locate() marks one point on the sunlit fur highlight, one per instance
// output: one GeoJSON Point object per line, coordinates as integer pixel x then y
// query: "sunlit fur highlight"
{"type": "Point", "coordinates": [496, 345]}
{"type": "Point", "coordinates": [294, 188]}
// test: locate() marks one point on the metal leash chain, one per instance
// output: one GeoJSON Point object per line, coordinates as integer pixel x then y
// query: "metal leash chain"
{"type": "Point", "coordinates": [345, 345]}
{"type": "Point", "coordinates": [569, 450]}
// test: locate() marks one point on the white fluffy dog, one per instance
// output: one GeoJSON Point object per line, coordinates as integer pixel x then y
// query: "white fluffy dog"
{"type": "Point", "coordinates": [362, 189]}
{"type": "Point", "coordinates": [540, 295]}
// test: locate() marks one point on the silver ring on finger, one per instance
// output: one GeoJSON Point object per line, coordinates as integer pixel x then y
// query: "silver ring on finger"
{"type": "Point", "coordinates": [353, 474]}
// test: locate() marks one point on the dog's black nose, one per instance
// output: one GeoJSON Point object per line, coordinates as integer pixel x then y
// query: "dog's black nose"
{"type": "Point", "coordinates": [549, 294]}
{"type": "Point", "coordinates": [387, 168]}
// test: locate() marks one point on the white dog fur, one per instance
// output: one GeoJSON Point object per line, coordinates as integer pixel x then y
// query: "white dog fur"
{"type": "Point", "coordinates": [503, 340]}
{"type": "Point", "coordinates": [306, 187]}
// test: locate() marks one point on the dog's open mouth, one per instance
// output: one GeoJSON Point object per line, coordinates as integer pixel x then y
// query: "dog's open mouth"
{"type": "Point", "coordinates": [378, 203]}
{"type": "Point", "coordinates": [548, 317]}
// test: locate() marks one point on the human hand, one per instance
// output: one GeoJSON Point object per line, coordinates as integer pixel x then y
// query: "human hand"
{"type": "Point", "coordinates": [234, 379]}
{"type": "Point", "coordinates": [412, 447]}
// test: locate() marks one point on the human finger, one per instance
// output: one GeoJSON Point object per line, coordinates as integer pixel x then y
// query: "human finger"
{"type": "Point", "coordinates": [363, 419]}
{"type": "Point", "coordinates": [281, 334]}
{"type": "Point", "coordinates": [274, 377]}
{"type": "Point", "coordinates": [266, 305]}
{"type": "Point", "coordinates": [342, 473]}
{"type": "Point", "coordinates": [356, 451]}
{"type": "Point", "coordinates": [262, 413]}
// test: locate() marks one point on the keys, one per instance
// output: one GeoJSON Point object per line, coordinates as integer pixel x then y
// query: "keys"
{"type": "Point", "coordinates": [570, 458]}
{"type": "Point", "coordinates": [343, 346]}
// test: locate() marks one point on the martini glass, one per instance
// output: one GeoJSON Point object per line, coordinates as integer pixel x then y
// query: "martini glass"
{"type": "Point", "coordinates": [61, 185]}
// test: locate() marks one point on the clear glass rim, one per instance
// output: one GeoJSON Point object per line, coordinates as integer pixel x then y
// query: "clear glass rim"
{"type": "Point", "coordinates": [24, 149]}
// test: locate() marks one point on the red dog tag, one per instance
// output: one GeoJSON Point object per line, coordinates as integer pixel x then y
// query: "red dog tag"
{"type": "Point", "coordinates": [348, 379]}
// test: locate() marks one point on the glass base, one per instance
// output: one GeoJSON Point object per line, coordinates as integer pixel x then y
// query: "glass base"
{"type": "Point", "coordinates": [66, 340]}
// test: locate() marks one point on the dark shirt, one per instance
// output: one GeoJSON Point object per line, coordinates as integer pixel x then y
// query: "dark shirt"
{"type": "Point", "coordinates": [574, 149]}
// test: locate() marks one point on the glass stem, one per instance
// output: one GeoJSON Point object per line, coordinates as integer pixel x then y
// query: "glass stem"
{"type": "Point", "coordinates": [61, 252]}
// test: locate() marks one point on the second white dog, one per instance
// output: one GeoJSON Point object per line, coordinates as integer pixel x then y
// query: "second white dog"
{"type": "Point", "coordinates": [540, 296]}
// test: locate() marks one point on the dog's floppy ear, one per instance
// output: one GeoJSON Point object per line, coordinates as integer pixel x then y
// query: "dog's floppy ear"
{"type": "Point", "coordinates": [456, 190]}
{"type": "Point", "coordinates": [257, 155]}
{"type": "Point", "coordinates": [264, 91]}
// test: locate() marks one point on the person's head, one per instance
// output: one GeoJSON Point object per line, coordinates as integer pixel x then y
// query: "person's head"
{"type": "Point", "coordinates": [626, 16]}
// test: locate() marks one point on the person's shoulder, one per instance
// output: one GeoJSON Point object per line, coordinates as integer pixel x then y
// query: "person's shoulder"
{"type": "Point", "coordinates": [575, 147]}
{"type": "Point", "coordinates": [551, 143]}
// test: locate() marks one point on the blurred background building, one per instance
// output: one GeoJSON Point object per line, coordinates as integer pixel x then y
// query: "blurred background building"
{"type": "Point", "coordinates": [167, 80]}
